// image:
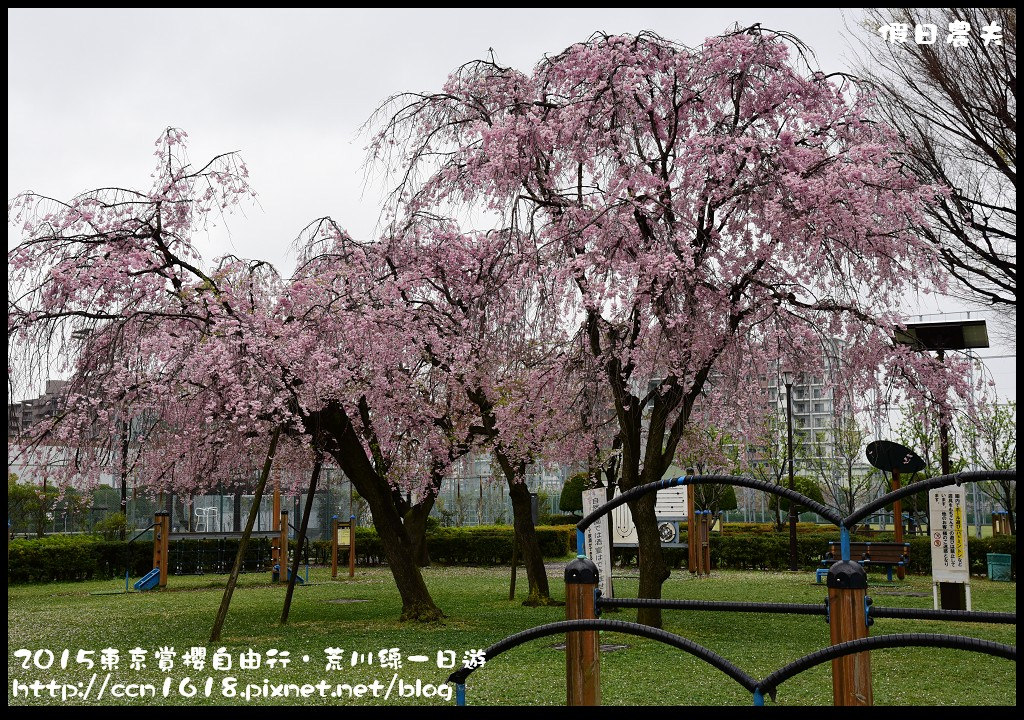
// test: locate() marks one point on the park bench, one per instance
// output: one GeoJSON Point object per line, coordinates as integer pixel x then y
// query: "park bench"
{"type": "Point", "coordinates": [886, 554]}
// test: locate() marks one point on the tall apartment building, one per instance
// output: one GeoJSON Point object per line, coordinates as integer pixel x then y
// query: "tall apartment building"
{"type": "Point", "coordinates": [814, 414]}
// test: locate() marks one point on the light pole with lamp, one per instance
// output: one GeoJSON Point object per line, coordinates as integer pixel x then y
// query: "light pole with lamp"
{"type": "Point", "coordinates": [788, 376]}
{"type": "Point", "coordinates": [940, 337]}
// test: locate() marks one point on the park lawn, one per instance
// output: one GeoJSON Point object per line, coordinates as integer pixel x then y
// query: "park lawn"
{"type": "Point", "coordinates": [60, 616]}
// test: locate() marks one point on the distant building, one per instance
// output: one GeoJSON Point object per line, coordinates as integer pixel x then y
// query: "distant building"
{"type": "Point", "coordinates": [814, 414]}
{"type": "Point", "coordinates": [23, 415]}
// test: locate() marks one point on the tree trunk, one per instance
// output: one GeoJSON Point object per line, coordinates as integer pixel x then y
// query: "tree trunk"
{"type": "Point", "coordinates": [416, 526]}
{"type": "Point", "coordinates": [398, 548]}
{"type": "Point", "coordinates": [522, 510]}
{"type": "Point", "coordinates": [526, 539]}
{"type": "Point", "coordinates": [344, 445]}
{"type": "Point", "coordinates": [653, 569]}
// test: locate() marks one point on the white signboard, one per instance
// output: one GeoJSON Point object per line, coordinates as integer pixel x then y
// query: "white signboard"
{"type": "Point", "coordinates": [623, 529]}
{"type": "Point", "coordinates": [670, 505]}
{"type": "Point", "coordinates": [948, 526]}
{"type": "Point", "coordinates": [597, 544]}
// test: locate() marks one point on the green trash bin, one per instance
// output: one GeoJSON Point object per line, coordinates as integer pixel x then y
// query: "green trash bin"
{"type": "Point", "coordinates": [998, 567]}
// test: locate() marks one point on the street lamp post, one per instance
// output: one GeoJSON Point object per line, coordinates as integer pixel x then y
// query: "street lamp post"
{"type": "Point", "coordinates": [787, 380]}
{"type": "Point", "coordinates": [938, 338]}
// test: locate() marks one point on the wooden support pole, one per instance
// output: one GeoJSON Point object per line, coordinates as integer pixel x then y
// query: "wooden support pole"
{"type": "Point", "coordinates": [352, 546]}
{"type": "Point", "coordinates": [847, 611]}
{"type": "Point", "coordinates": [225, 603]}
{"type": "Point", "coordinates": [704, 549]}
{"type": "Point", "coordinates": [692, 541]}
{"type": "Point", "coordinates": [582, 656]}
{"type": "Point", "coordinates": [161, 544]}
{"type": "Point", "coordinates": [334, 548]}
{"type": "Point", "coordinates": [300, 539]}
{"type": "Point", "coordinates": [275, 524]}
{"type": "Point", "coordinates": [515, 560]}
{"type": "Point", "coordinates": [282, 542]}
{"type": "Point", "coordinates": [158, 527]}
{"type": "Point", "coordinates": [897, 512]}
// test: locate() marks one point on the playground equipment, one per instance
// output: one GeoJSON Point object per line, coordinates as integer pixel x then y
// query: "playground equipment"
{"type": "Point", "coordinates": [1001, 522]}
{"type": "Point", "coordinates": [151, 579]}
{"type": "Point", "coordinates": [848, 610]}
{"type": "Point", "coordinates": [699, 531]}
{"type": "Point", "coordinates": [279, 548]}
{"type": "Point", "coordinates": [191, 553]}
{"type": "Point", "coordinates": [343, 537]}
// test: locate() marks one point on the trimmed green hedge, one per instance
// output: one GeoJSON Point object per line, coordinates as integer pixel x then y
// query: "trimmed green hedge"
{"type": "Point", "coordinates": [492, 545]}
{"type": "Point", "coordinates": [84, 557]}
{"type": "Point", "coordinates": [74, 557]}
{"type": "Point", "coordinates": [762, 548]}
{"type": "Point", "coordinates": [741, 546]}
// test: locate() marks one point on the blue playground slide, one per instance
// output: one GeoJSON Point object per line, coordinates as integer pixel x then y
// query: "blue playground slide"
{"type": "Point", "coordinates": [148, 581]}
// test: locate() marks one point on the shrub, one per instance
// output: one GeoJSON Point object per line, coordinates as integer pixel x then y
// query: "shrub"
{"type": "Point", "coordinates": [57, 557]}
{"type": "Point", "coordinates": [741, 546]}
{"type": "Point", "coordinates": [571, 499]}
{"type": "Point", "coordinates": [556, 520]}
{"type": "Point", "coordinates": [114, 527]}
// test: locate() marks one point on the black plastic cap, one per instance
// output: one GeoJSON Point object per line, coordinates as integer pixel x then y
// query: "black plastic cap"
{"type": "Point", "coordinates": [581, 571]}
{"type": "Point", "coordinates": [847, 576]}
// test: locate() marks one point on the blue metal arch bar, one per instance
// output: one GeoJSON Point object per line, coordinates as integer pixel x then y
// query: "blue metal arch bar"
{"type": "Point", "coordinates": [738, 480]}
{"type": "Point", "coordinates": [955, 642]}
{"type": "Point", "coordinates": [922, 485]}
{"type": "Point", "coordinates": [556, 628]}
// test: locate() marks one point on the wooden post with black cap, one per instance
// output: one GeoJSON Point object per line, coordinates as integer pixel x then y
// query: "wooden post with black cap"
{"type": "Point", "coordinates": [847, 617]}
{"type": "Point", "coordinates": [582, 656]}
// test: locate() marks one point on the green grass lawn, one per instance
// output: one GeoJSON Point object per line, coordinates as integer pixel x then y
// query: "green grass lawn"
{"type": "Point", "coordinates": [359, 616]}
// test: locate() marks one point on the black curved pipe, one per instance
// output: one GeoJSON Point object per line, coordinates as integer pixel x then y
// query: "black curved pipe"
{"type": "Point", "coordinates": [952, 615]}
{"type": "Point", "coordinates": [955, 642]}
{"type": "Point", "coordinates": [809, 609]}
{"type": "Point", "coordinates": [738, 480]}
{"type": "Point", "coordinates": [556, 628]}
{"type": "Point", "coordinates": [922, 485]}
{"type": "Point", "coordinates": [142, 532]}
{"type": "Point", "coordinates": [782, 608]}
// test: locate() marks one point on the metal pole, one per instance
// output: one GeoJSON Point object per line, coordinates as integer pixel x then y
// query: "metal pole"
{"type": "Point", "coordinates": [974, 455]}
{"type": "Point", "coordinates": [691, 529]}
{"type": "Point", "coordinates": [792, 505]}
{"type": "Point", "coordinates": [952, 596]}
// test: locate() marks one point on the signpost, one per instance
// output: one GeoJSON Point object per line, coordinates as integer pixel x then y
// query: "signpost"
{"type": "Point", "coordinates": [670, 509]}
{"type": "Point", "coordinates": [947, 522]}
{"type": "Point", "coordinates": [598, 539]}
{"type": "Point", "coordinates": [343, 538]}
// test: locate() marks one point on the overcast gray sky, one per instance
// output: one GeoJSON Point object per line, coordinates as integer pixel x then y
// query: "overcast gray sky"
{"type": "Point", "coordinates": [90, 90]}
